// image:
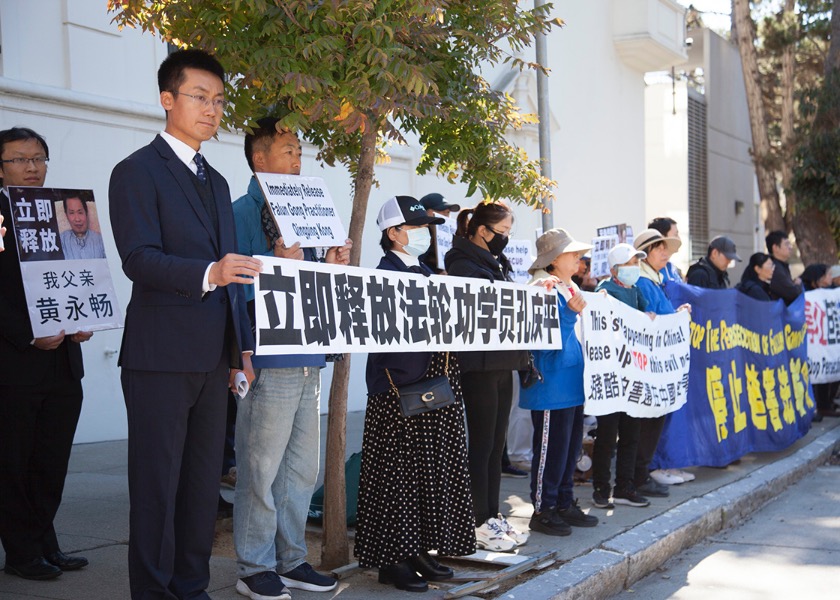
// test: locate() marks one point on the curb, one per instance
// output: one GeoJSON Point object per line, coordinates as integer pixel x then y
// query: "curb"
{"type": "Point", "coordinates": [628, 557]}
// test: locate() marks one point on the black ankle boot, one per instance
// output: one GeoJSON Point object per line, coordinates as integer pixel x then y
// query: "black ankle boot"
{"type": "Point", "coordinates": [429, 568]}
{"type": "Point", "coordinates": [403, 577]}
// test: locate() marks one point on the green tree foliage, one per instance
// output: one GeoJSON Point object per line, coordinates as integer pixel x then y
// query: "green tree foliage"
{"type": "Point", "coordinates": [336, 69]}
{"type": "Point", "coordinates": [354, 76]}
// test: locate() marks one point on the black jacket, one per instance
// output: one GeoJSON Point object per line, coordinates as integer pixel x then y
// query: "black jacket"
{"type": "Point", "coordinates": [782, 285]}
{"type": "Point", "coordinates": [705, 275]}
{"type": "Point", "coordinates": [755, 289]}
{"type": "Point", "coordinates": [404, 367]}
{"type": "Point", "coordinates": [466, 259]}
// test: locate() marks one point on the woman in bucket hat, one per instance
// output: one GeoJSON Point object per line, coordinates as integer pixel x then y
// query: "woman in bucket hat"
{"type": "Point", "coordinates": [659, 249]}
{"type": "Point", "coordinates": [556, 402]}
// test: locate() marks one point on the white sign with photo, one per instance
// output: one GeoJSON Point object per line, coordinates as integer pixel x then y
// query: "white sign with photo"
{"type": "Point", "coordinates": [65, 274]}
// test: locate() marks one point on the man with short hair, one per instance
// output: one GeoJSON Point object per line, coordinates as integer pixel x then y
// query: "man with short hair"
{"type": "Point", "coordinates": [40, 395]}
{"type": "Point", "coordinates": [186, 335]}
{"type": "Point", "coordinates": [782, 285]}
{"type": "Point", "coordinates": [710, 271]}
{"type": "Point", "coordinates": [278, 422]}
{"type": "Point", "coordinates": [80, 241]}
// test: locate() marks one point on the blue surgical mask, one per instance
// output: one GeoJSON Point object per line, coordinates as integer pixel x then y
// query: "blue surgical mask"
{"type": "Point", "coordinates": [418, 241]}
{"type": "Point", "coordinates": [629, 275]}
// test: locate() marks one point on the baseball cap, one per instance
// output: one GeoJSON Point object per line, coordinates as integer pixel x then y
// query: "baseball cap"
{"type": "Point", "coordinates": [622, 253]}
{"type": "Point", "coordinates": [404, 210]}
{"type": "Point", "coordinates": [437, 202]}
{"type": "Point", "coordinates": [725, 246]}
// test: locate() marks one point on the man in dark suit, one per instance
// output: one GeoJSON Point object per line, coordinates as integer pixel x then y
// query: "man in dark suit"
{"type": "Point", "coordinates": [186, 331]}
{"type": "Point", "coordinates": [40, 395]}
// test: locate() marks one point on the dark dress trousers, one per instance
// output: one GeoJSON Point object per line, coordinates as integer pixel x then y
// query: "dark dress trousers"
{"type": "Point", "coordinates": [177, 349]}
{"type": "Point", "coordinates": [40, 401]}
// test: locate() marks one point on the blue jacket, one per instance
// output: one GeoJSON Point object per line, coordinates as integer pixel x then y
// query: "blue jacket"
{"type": "Point", "coordinates": [562, 370]}
{"type": "Point", "coordinates": [251, 241]}
{"type": "Point", "coordinates": [653, 292]}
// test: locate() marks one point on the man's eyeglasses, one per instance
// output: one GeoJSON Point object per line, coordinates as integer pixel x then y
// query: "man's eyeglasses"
{"type": "Point", "coordinates": [204, 101]}
{"type": "Point", "coordinates": [20, 161]}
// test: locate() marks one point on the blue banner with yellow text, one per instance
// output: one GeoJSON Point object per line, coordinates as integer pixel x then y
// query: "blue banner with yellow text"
{"type": "Point", "coordinates": [748, 388]}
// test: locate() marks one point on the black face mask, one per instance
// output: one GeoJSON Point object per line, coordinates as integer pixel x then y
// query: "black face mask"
{"type": "Point", "coordinates": [498, 244]}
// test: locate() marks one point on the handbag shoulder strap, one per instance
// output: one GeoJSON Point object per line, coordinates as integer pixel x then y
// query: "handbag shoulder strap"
{"type": "Point", "coordinates": [391, 381]}
{"type": "Point", "coordinates": [397, 390]}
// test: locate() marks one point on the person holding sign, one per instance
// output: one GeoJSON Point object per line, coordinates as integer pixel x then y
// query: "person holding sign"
{"type": "Point", "coordinates": [41, 392]}
{"type": "Point", "coordinates": [624, 270]}
{"type": "Point", "coordinates": [478, 252]}
{"type": "Point", "coordinates": [659, 250]}
{"type": "Point", "coordinates": [278, 421]}
{"type": "Point", "coordinates": [556, 402]}
{"type": "Point", "coordinates": [187, 334]}
{"type": "Point", "coordinates": [414, 494]}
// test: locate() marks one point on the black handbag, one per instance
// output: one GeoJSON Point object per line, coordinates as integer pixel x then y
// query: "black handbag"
{"type": "Point", "coordinates": [424, 396]}
{"type": "Point", "coordinates": [530, 374]}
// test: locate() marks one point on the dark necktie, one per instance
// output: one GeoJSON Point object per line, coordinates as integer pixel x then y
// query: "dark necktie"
{"type": "Point", "coordinates": [201, 170]}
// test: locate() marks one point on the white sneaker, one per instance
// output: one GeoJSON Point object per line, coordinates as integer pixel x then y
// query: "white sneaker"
{"type": "Point", "coordinates": [685, 475]}
{"type": "Point", "coordinates": [666, 477]}
{"type": "Point", "coordinates": [491, 537]}
{"type": "Point", "coordinates": [520, 537]}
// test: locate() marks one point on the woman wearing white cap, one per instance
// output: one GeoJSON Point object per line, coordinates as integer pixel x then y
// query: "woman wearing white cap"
{"type": "Point", "coordinates": [618, 433]}
{"type": "Point", "coordinates": [414, 493]}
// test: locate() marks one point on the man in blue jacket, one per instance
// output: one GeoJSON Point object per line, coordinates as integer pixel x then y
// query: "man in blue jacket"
{"type": "Point", "coordinates": [278, 422]}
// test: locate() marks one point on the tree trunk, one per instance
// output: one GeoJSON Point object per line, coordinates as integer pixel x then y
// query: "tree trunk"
{"type": "Point", "coordinates": [744, 34]}
{"type": "Point", "coordinates": [788, 116]}
{"type": "Point", "coordinates": [335, 547]}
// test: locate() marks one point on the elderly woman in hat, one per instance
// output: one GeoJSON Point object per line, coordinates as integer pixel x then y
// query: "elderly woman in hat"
{"type": "Point", "coordinates": [659, 249]}
{"type": "Point", "coordinates": [414, 493]}
{"type": "Point", "coordinates": [556, 402]}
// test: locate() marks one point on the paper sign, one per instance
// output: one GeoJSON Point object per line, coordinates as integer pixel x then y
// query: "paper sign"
{"type": "Point", "coordinates": [303, 210]}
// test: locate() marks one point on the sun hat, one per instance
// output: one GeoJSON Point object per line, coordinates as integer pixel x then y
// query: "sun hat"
{"type": "Point", "coordinates": [650, 236]}
{"type": "Point", "coordinates": [552, 244]}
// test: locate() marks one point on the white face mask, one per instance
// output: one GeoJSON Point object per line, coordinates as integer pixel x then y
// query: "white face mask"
{"type": "Point", "coordinates": [418, 241]}
{"type": "Point", "coordinates": [628, 275]}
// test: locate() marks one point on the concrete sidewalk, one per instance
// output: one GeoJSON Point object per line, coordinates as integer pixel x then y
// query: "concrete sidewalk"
{"type": "Point", "coordinates": [591, 563]}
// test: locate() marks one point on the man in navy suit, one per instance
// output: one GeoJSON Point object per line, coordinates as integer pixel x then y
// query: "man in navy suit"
{"type": "Point", "coordinates": [186, 331]}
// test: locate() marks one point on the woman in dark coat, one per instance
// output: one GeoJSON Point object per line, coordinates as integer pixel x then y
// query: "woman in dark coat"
{"type": "Point", "coordinates": [414, 492]}
{"type": "Point", "coordinates": [755, 281]}
{"type": "Point", "coordinates": [478, 251]}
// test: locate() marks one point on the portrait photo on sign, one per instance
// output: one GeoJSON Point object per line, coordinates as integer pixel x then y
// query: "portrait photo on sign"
{"type": "Point", "coordinates": [78, 225]}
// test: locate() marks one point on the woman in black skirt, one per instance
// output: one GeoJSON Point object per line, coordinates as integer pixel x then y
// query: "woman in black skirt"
{"type": "Point", "coordinates": [414, 492]}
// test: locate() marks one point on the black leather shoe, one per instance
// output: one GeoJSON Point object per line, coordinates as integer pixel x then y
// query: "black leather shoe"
{"type": "Point", "coordinates": [66, 563]}
{"type": "Point", "coordinates": [403, 577]}
{"type": "Point", "coordinates": [429, 568]}
{"type": "Point", "coordinates": [34, 569]}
